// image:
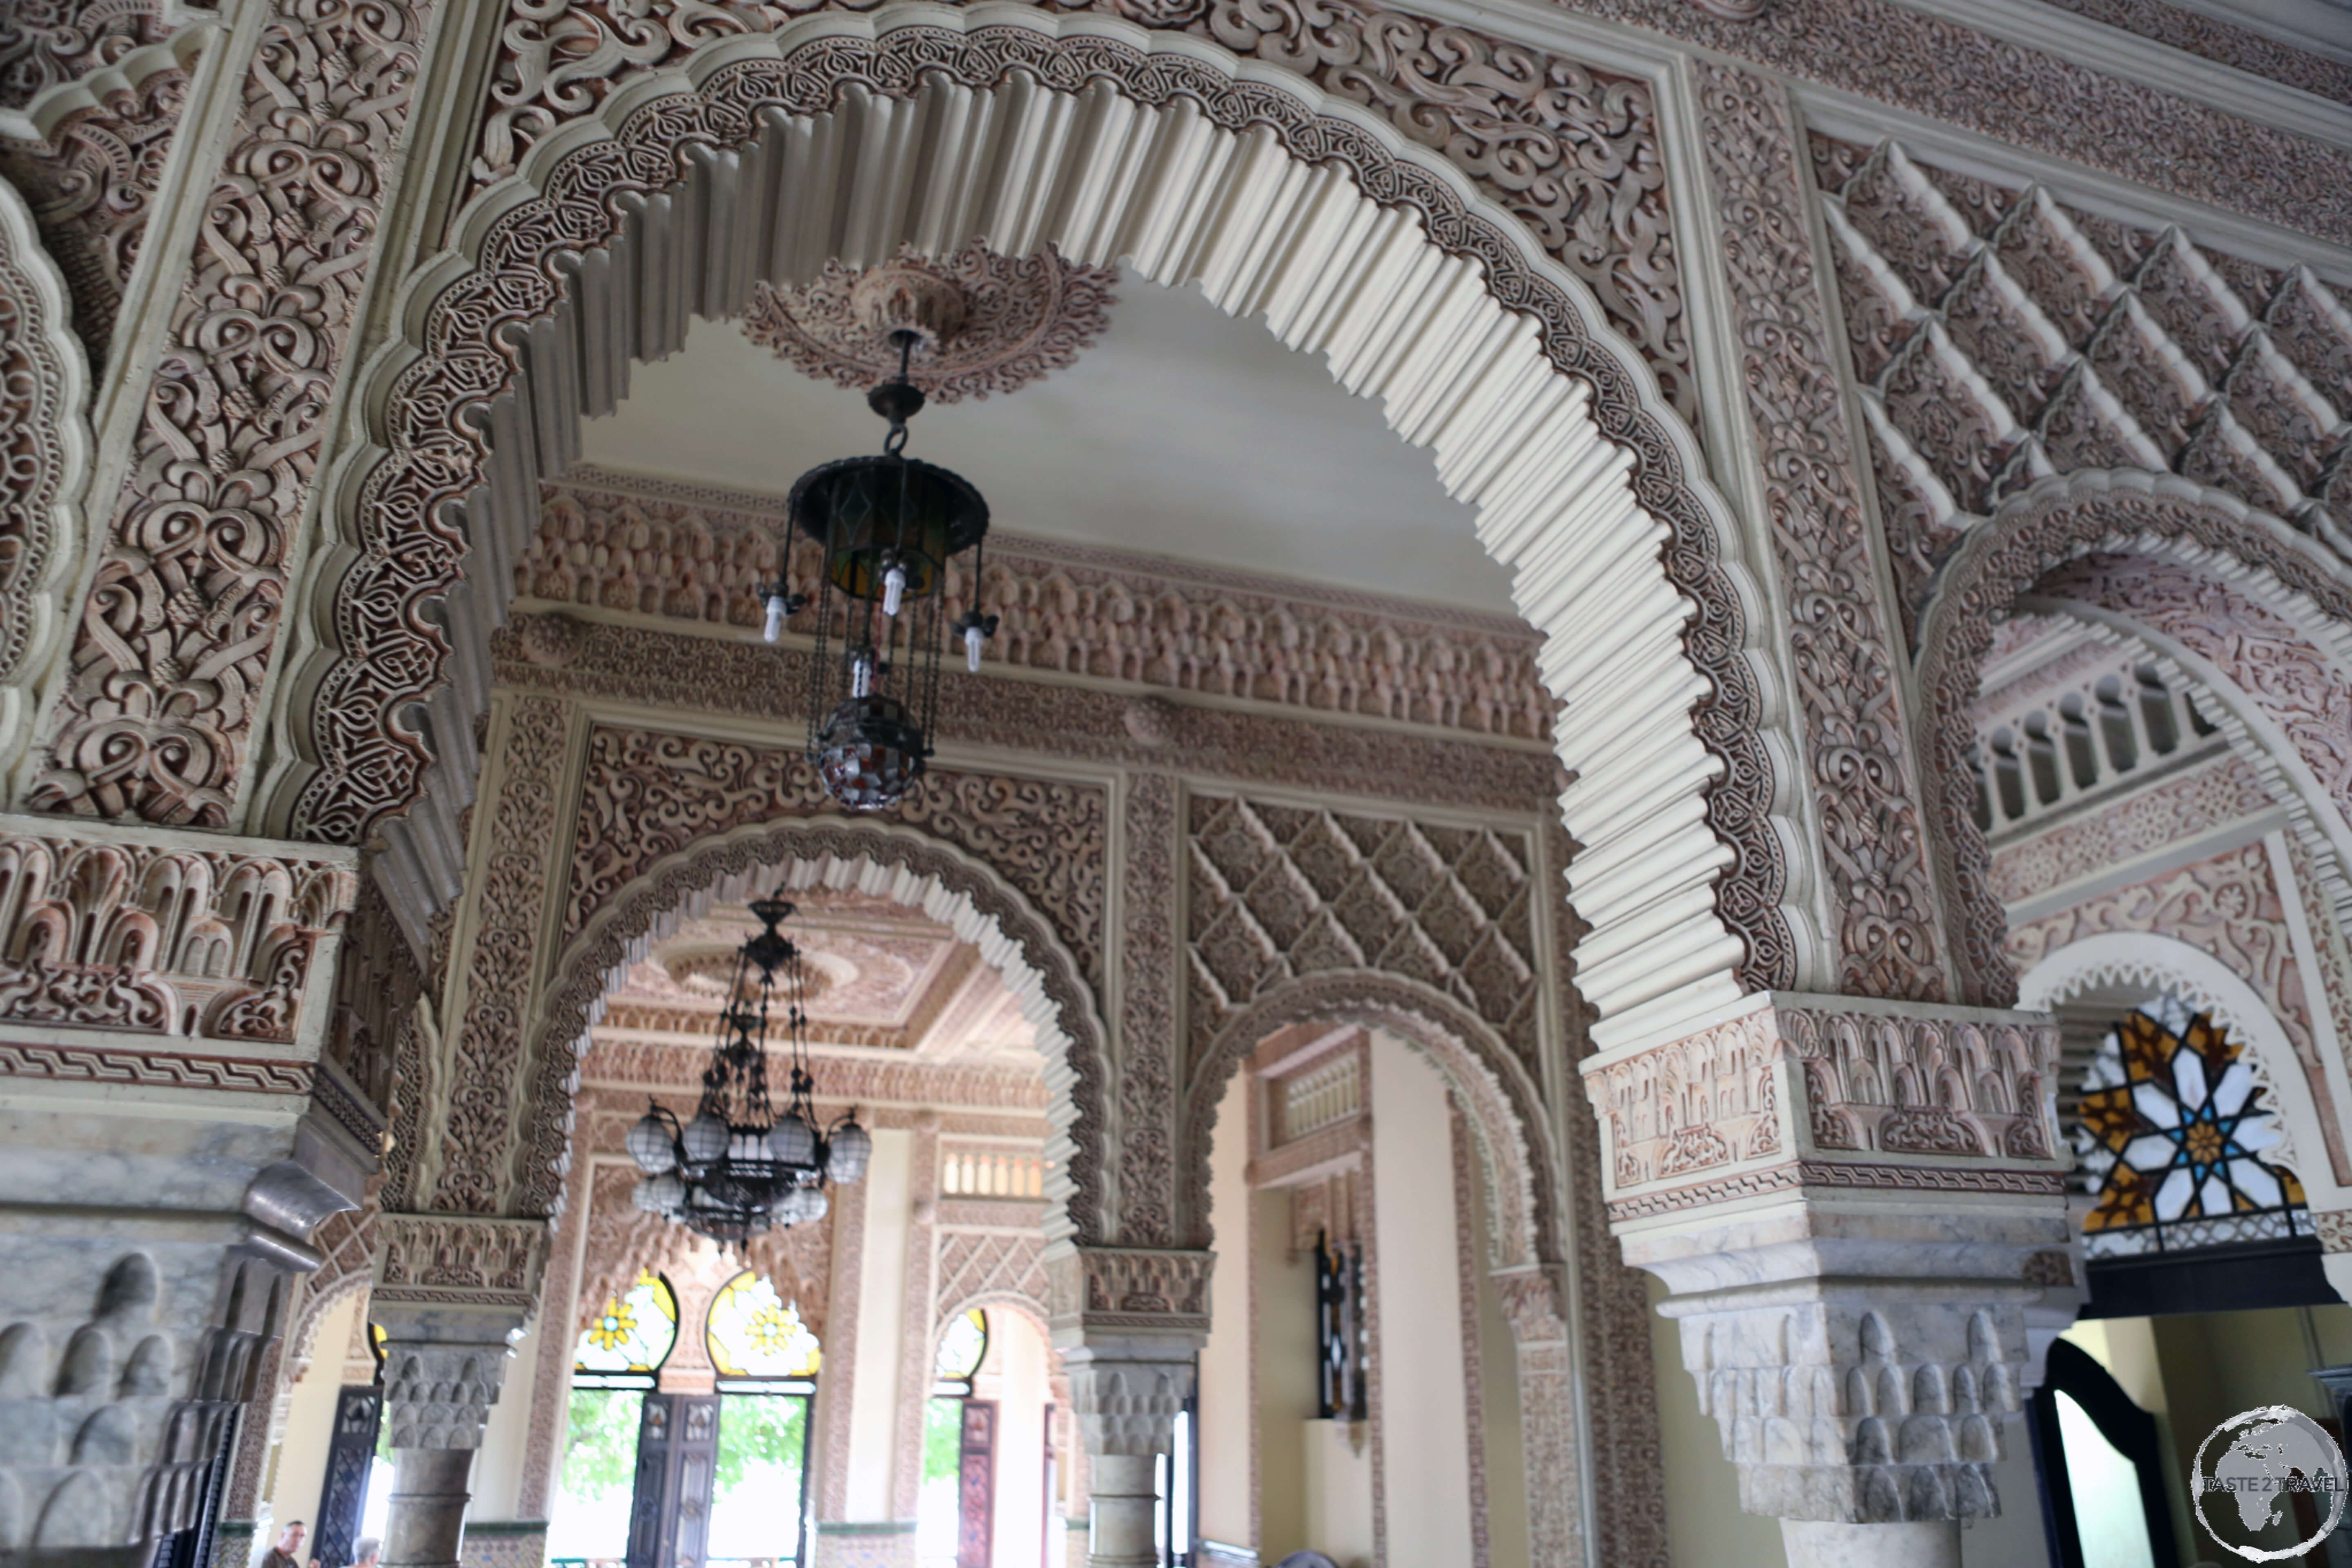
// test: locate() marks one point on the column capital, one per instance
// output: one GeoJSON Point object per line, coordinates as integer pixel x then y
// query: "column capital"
{"type": "Point", "coordinates": [1126, 1399]}
{"type": "Point", "coordinates": [1139, 1294]}
{"type": "Point", "coordinates": [477, 1261]}
{"type": "Point", "coordinates": [1855, 1204]}
{"type": "Point", "coordinates": [443, 1366]}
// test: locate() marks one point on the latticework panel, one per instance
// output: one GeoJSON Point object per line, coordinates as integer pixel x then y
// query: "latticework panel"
{"type": "Point", "coordinates": [1278, 892]}
{"type": "Point", "coordinates": [2002, 336]}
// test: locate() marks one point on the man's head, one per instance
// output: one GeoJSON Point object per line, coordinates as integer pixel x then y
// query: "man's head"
{"type": "Point", "coordinates": [364, 1552]}
{"type": "Point", "coordinates": [289, 1539]}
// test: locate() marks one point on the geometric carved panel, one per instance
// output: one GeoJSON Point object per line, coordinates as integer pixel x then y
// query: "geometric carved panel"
{"type": "Point", "coordinates": [1278, 892]}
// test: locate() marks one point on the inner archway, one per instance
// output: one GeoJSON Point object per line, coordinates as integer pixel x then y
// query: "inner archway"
{"type": "Point", "coordinates": [1106, 142]}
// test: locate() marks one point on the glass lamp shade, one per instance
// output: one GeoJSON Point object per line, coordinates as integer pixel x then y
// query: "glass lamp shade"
{"type": "Point", "coordinates": [660, 1195]}
{"type": "Point", "coordinates": [869, 512]}
{"type": "Point", "coordinates": [846, 1153]}
{"type": "Point", "coordinates": [650, 1145]}
{"type": "Point", "coordinates": [794, 1141]}
{"type": "Point", "coordinates": [704, 1139]}
{"type": "Point", "coordinates": [870, 753]}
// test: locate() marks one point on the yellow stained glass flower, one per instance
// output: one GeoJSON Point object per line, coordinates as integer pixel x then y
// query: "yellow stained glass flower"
{"type": "Point", "coordinates": [616, 1328]}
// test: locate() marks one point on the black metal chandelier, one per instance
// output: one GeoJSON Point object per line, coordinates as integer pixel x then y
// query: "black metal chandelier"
{"type": "Point", "coordinates": [887, 526]}
{"type": "Point", "coordinates": [738, 1168]}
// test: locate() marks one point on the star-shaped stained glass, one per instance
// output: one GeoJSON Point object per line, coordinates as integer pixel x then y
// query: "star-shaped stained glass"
{"type": "Point", "coordinates": [2172, 1127]}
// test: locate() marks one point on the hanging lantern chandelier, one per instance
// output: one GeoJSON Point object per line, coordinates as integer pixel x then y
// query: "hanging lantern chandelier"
{"type": "Point", "coordinates": [887, 526]}
{"type": "Point", "coordinates": [738, 1168]}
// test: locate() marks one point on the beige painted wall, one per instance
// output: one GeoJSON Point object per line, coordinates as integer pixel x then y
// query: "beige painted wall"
{"type": "Point", "coordinates": [882, 1288]}
{"type": "Point", "coordinates": [498, 1469]}
{"type": "Point", "coordinates": [1015, 1378]}
{"type": "Point", "coordinates": [1336, 1493]}
{"type": "Point", "coordinates": [298, 1466]}
{"type": "Point", "coordinates": [1507, 1469]}
{"type": "Point", "coordinates": [1283, 1341]}
{"type": "Point", "coordinates": [1425, 1414]}
{"type": "Point", "coordinates": [1226, 1418]}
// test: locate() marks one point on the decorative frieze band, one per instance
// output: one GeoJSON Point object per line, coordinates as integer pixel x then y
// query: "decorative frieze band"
{"type": "Point", "coordinates": [1117, 1287]}
{"type": "Point", "coordinates": [702, 557]}
{"type": "Point", "coordinates": [1800, 1091]}
{"type": "Point", "coordinates": [460, 1259]}
{"type": "Point", "coordinates": [211, 939]}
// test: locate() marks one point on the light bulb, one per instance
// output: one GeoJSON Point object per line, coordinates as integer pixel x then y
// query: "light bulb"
{"type": "Point", "coordinates": [861, 672]}
{"type": "Point", "coordinates": [777, 609]}
{"type": "Point", "coordinates": [973, 637]}
{"type": "Point", "coordinates": [894, 588]}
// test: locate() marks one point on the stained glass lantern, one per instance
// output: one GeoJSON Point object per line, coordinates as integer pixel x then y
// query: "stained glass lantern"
{"type": "Point", "coordinates": [2172, 1128]}
{"type": "Point", "coordinates": [887, 526]}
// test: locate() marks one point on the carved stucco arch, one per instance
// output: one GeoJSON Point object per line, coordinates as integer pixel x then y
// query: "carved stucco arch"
{"type": "Point", "coordinates": [2218, 540]}
{"type": "Point", "coordinates": [1505, 1111]}
{"type": "Point", "coordinates": [1110, 142]}
{"type": "Point", "coordinates": [45, 459]}
{"type": "Point", "coordinates": [884, 860]}
{"type": "Point", "coordinates": [2128, 968]}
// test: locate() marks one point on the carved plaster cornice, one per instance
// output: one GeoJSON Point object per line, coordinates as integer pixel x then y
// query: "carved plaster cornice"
{"type": "Point", "coordinates": [1135, 729]}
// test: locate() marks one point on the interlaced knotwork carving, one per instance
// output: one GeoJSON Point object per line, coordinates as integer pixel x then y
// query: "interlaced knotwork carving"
{"type": "Point", "coordinates": [178, 628]}
{"type": "Point", "coordinates": [975, 1264]}
{"type": "Point", "coordinates": [90, 182]}
{"type": "Point", "coordinates": [1845, 664]}
{"type": "Point", "coordinates": [1278, 892]}
{"type": "Point", "coordinates": [46, 43]}
{"type": "Point", "coordinates": [385, 658]}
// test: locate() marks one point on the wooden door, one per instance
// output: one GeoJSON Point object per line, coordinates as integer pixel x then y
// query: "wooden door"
{"type": "Point", "coordinates": [976, 1486]}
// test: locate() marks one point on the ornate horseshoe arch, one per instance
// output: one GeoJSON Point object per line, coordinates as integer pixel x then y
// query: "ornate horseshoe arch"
{"type": "Point", "coordinates": [689, 183]}
{"type": "Point", "coordinates": [885, 861]}
{"type": "Point", "coordinates": [1503, 1108]}
{"type": "Point", "coordinates": [2300, 596]}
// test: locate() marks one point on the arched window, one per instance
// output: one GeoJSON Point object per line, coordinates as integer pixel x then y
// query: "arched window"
{"type": "Point", "coordinates": [767, 1359]}
{"type": "Point", "coordinates": [2171, 1126]}
{"type": "Point", "coordinates": [615, 1364]}
{"type": "Point", "coordinates": [952, 1509]}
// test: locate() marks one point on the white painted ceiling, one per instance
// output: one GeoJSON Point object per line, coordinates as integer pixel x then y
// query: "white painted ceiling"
{"type": "Point", "coordinates": [1181, 432]}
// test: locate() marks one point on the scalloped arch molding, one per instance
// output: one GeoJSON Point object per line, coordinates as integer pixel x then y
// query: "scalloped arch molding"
{"type": "Point", "coordinates": [883, 861]}
{"type": "Point", "coordinates": [848, 135]}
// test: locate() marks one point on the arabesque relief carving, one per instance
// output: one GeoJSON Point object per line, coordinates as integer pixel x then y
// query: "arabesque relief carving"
{"type": "Point", "coordinates": [90, 183]}
{"type": "Point", "coordinates": [176, 636]}
{"type": "Point", "coordinates": [1968, 1092]}
{"type": "Point", "coordinates": [47, 43]}
{"type": "Point", "coordinates": [2223, 790]}
{"type": "Point", "coordinates": [145, 939]}
{"type": "Point", "coordinates": [1889, 932]}
{"type": "Point", "coordinates": [998, 322]}
{"type": "Point", "coordinates": [45, 450]}
{"type": "Point", "coordinates": [355, 770]}
{"type": "Point", "coordinates": [2228, 906]}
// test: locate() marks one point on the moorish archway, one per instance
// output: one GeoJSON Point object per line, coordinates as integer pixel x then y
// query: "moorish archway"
{"type": "Point", "coordinates": [761, 157]}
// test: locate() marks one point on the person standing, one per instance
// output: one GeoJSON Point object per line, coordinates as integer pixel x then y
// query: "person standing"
{"type": "Point", "coordinates": [287, 1552]}
{"type": "Point", "coordinates": [366, 1550]}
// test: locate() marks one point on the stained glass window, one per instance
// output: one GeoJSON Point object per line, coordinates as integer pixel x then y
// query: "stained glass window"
{"type": "Point", "coordinates": [963, 1345]}
{"type": "Point", "coordinates": [2171, 1128]}
{"type": "Point", "coordinates": [628, 1341]}
{"type": "Point", "coordinates": [755, 1333]}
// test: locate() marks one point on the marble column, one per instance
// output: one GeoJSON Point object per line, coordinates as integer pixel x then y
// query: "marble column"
{"type": "Point", "coordinates": [443, 1369]}
{"type": "Point", "coordinates": [1129, 1324]}
{"type": "Point", "coordinates": [1859, 1210]}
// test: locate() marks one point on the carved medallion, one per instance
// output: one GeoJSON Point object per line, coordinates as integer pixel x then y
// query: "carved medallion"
{"type": "Point", "coordinates": [982, 322]}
